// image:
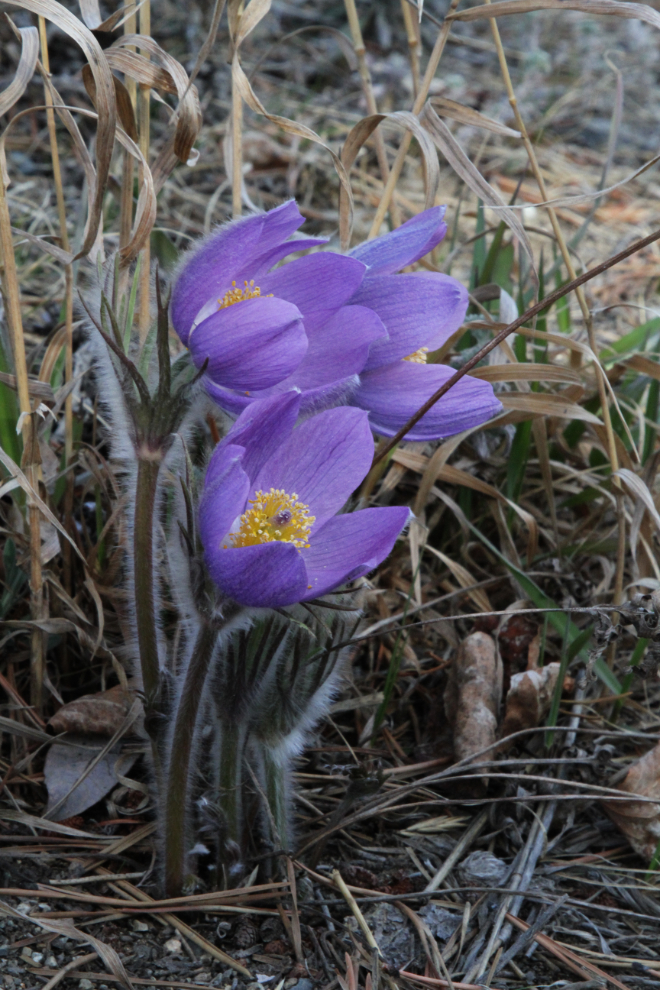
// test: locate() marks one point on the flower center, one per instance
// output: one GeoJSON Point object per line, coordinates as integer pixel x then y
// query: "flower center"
{"type": "Point", "coordinates": [236, 295]}
{"type": "Point", "coordinates": [418, 357]}
{"type": "Point", "coordinates": [274, 516]}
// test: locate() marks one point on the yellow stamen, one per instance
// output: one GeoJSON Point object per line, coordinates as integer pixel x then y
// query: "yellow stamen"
{"type": "Point", "coordinates": [236, 295]}
{"type": "Point", "coordinates": [274, 516]}
{"type": "Point", "coordinates": [418, 357]}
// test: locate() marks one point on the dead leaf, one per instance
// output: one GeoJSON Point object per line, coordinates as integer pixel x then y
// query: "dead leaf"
{"type": "Point", "coordinates": [100, 714]}
{"type": "Point", "coordinates": [71, 790]}
{"type": "Point", "coordinates": [640, 820]}
{"type": "Point", "coordinates": [473, 695]}
{"type": "Point", "coordinates": [529, 697]}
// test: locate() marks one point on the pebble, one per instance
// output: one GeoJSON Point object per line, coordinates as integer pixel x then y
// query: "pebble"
{"type": "Point", "coordinates": [173, 945]}
{"type": "Point", "coordinates": [37, 958]}
{"type": "Point", "coordinates": [85, 985]}
{"type": "Point", "coordinates": [139, 926]}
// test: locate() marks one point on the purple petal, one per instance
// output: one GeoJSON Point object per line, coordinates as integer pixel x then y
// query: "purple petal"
{"type": "Point", "coordinates": [339, 349]}
{"type": "Point", "coordinates": [226, 489]}
{"type": "Point", "coordinates": [323, 461]}
{"type": "Point", "coordinates": [210, 269]}
{"type": "Point", "coordinates": [318, 285]}
{"type": "Point", "coordinates": [393, 394]}
{"type": "Point", "coordinates": [232, 402]}
{"type": "Point", "coordinates": [251, 345]}
{"type": "Point", "coordinates": [403, 246]}
{"type": "Point", "coordinates": [261, 428]}
{"type": "Point", "coordinates": [348, 546]}
{"type": "Point", "coordinates": [265, 262]}
{"type": "Point", "coordinates": [269, 575]}
{"type": "Point", "coordinates": [419, 310]}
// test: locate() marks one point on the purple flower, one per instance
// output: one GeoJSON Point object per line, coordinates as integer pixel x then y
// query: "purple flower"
{"type": "Point", "coordinates": [268, 514]}
{"type": "Point", "coordinates": [372, 352]}
{"type": "Point", "coordinates": [250, 324]}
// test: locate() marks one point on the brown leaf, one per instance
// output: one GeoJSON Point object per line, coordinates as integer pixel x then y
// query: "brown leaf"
{"type": "Point", "coordinates": [473, 694]}
{"type": "Point", "coordinates": [105, 135]}
{"type": "Point", "coordinates": [99, 714]}
{"type": "Point", "coordinates": [528, 699]}
{"type": "Point", "coordinates": [635, 11]}
{"type": "Point", "coordinates": [24, 70]}
{"type": "Point", "coordinates": [640, 820]}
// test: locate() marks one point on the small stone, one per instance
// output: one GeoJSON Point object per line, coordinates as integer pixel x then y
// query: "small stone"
{"type": "Point", "coordinates": [139, 926]}
{"type": "Point", "coordinates": [51, 962]}
{"type": "Point", "coordinates": [24, 908]}
{"type": "Point", "coordinates": [26, 954]}
{"type": "Point", "coordinates": [37, 958]}
{"type": "Point", "coordinates": [173, 945]}
{"type": "Point", "coordinates": [86, 985]}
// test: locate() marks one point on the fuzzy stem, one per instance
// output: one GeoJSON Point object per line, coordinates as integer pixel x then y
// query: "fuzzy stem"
{"type": "Point", "coordinates": [277, 791]}
{"type": "Point", "coordinates": [176, 807]}
{"type": "Point", "coordinates": [143, 573]}
{"type": "Point", "coordinates": [229, 754]}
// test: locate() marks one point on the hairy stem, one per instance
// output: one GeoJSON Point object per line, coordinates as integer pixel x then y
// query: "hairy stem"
{"type": "Point", "coordinates": [143, 574]}
{"type": "Point", "coordinates": [176, 804]}
{"type": "Point", "coordinates": [276, 776]}
{"type": "Point", "coordinates": [230, 751]}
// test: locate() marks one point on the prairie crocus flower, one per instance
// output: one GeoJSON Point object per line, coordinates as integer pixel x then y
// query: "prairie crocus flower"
{"type": "Point", "coordinates": [250, 324]}
{"type": "Point", "coordinates": [420, 311]}
{"type": "Point", "coordinates": [268, 514]}
{"type": "Point", "coordinates": [372, 352]}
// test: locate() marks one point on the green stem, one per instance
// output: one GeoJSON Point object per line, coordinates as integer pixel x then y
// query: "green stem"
{"type": "Point", "coordinates": [176, 805]}
{"type": "Point", "coordinates": [143, 574]}
{"type": "Point", "coordinates": [229, 761]}
{"type": "Point", "coordinates": [276, 779]}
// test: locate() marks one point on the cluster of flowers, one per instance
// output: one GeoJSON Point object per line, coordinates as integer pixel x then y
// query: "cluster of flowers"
{"type": "Point", "coordinates": [312, 356]}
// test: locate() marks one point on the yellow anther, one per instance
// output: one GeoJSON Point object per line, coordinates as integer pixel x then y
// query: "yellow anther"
{"type": "Point", "coordinates": [418, 357]}
{"type": "Point", "coordinates": [274, 516]}
{"type": "Point", "coordinates": [236, 295]}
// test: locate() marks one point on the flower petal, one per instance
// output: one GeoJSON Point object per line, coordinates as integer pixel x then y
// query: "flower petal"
{"type": "Point", "coordinates": [261, 428]}
{"type": "Point", "coordinates": [259, 266]}
{"type": "Point", "coordinates": [269, 575]}
{"type": "Point", "coordinates": [251, 345]}
{"type": "Point", "coordinates": [318, 285]}
{"type": "Point", "coordinates": [348, 546]}
{"type": "Point", "coordinates": [408, 243]}
{"type": "Point", "coordinates": [226, 489]}
{"type": "Point", "coordinates": [208, 271]}
{"type": "Point", "coordinates": [323, 461]}
{"type": "Point", "coordinates": [419, 310]}
{"type": "Point", "coordinates": [339, 349]}
{"type": "Point", "coordinates": [395, 393]}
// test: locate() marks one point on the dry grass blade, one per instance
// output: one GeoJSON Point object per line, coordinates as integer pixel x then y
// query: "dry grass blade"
{"type": "Point", "coordinates": [356, 139]}
{"type": "Point", "coordinates": [467, 115]}
{"type": "Point", "coordinates": [105, 89]}
{"type": "Point", "coordinates": [461, 164]}
{"type": "Point", "coordinates": [527, 372]}
{"type": "Point", "coordinates": [24, 70]}
{"type": "Point", "coordinates": [188, 114]}
{"type": "Point", "coordinates": [615, 8]}
{"type": "Point", "coordinates": [546, 404]}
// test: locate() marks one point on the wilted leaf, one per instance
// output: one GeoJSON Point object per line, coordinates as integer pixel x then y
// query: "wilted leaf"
{"type": "Point", "coordinates": [473, 694]}
{"type": "Point", "coordinates": [24, 70]}
{"type": "Point", "coordinates": [640, 820]}
{"type": "Point", "coordinates": [66, 766]}
{"type": "Point", "coordinates": [529, 697]}
{"type": "Point", "coordinates": [94, 714]}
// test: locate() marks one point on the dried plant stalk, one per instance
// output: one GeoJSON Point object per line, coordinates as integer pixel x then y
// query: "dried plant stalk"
{"type": "Point", "coordinates": [11, 293]}
{"type": "Point", "coordinates": [420, 99]}
{"type": "Point", "coordinates": [368, 90]}
{"type": "Point", "coordinates": [412, 32]}
{"type": "Point", "coordinates": [579, 292]}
